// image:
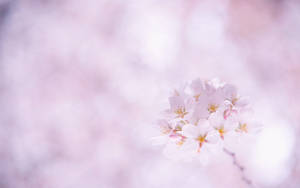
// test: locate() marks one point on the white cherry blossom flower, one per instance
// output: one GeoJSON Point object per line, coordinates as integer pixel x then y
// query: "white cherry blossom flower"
{"type": "Point", "coordinates": [221, 125]}
{"type": "Point", "coordinates": [208, 103]}
{"type": "Point", "coordinates": [234, 102]}
{"type": "Point", "coordinates": [170, 130]}
{"type": "Point", "coordinates": [247, 124]}
{"type": "Point", "coordinates": [202, 116]}
{"type": "Point", "coordinates": [177, 106]}
{"type": "Point", "coordinates": [180, 104]}
{"type": "Point", "coordinates": [202, 133]}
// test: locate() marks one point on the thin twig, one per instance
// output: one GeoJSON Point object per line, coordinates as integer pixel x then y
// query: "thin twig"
{"type": "Point", "coordinates": [240, 167]}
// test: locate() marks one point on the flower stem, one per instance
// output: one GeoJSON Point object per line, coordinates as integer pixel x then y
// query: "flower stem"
{"type": "Point", "coordinates": [240, 167]}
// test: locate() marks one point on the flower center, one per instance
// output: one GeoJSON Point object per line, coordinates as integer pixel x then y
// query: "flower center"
{"type": "Point", "coordinates": [177, 128]}
{"type": "Point", "coordinates": [201, 139]}
{"type": "Point", "coordinates": [234, 100]}
{"type": "Point", "coordinates": [184, 122]}
{"type": "Point", "coordinates": [221, 131]}
{"type": "Point", "coordinates": [242, 128]}
{"type": "Point", "coordinates": [166, 129]}
{"type": "Point", "coordinates": [181, 141]}
{"type": "Point", "coordinates": [197, 97]}
{"type": "Point", "coordinates": [181, 112]}
{"type": "Point", "coordinates": [212, 108]}
{"type": "Point", "coordinates": [196, 122]}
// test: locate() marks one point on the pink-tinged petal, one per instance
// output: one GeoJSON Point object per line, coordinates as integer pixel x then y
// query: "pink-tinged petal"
{"type": "Point", "coordinates": [227, 113]}
{"type": "Point", "coordinates": [224, 111]}
{"type": "Point", "coordinates": [230, 114]}
{"type": "Point", "coordinates": [229, 91]}
{"type": "Point", "coordinates": [197, 86]}
{"type": "Point", "coordinates": [175, 136]}
{"type": "Point", "coordinates": [176, 102]}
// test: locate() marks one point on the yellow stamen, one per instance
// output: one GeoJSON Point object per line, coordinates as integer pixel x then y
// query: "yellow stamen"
{"type": "Point", "coordinates": [242, 128]}
{"type": "Point", "coordinates": [181, 141]}
{"type": "Point", "coordinates": [221, 131]}
{"type": "Point", "coordinates": [178, 128]}
{"type": "Point", "coordinates": [212, 108]}
{"type": "Point", "coordinates": [197, 97]}
{"type": "Point", "coordinates": [234, 100]}
{"type": "Point", "coordinates": [166, 129]}
{"type": "Point", "coordinates": [196, 123]}
{"type": "Point", "coordinates": [184, 122]}
{"type": "Point", "coordinates": [181, 112]}
{"type": "Point", "coordinates": [201, 139]}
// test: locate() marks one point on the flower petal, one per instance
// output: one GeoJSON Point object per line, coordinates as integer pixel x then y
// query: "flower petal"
{"type": "Point", "coordinates": [197, 86]}
{"type": "Point", "coordinates": [201, 111]}
{"type": "Point", "coordinates": [213, 138]}
{"type": "Point", "coordinates": [176, 102]}
{"type": "Point", "coordinates": [229, 91]}
{"type": "Point", "coordinates": [190, 131]}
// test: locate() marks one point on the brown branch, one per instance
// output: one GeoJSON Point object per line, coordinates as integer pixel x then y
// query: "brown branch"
{"type": "Point", "coordinates": [240, 167]}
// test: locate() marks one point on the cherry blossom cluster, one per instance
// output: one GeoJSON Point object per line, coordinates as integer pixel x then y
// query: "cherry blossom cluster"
{"type": "Point", "coordinates": [202, 115]}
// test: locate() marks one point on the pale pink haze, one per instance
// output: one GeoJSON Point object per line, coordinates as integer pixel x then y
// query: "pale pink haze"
{"type": "Point", "coordinates": [86, 86]}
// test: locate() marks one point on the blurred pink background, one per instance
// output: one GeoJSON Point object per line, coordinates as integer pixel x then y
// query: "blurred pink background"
{"type": "Point", "coordinates": [82, 83]}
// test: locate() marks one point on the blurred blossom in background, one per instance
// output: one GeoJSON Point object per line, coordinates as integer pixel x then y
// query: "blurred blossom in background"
{"type": "Point", "coordinates": [83, 82]}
